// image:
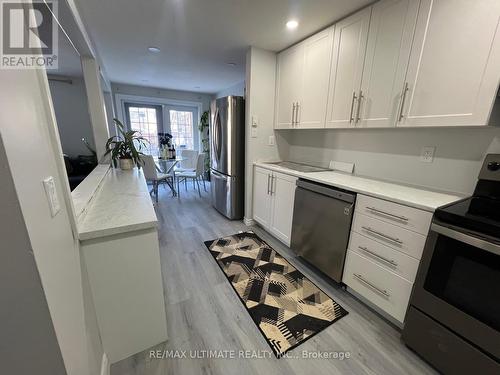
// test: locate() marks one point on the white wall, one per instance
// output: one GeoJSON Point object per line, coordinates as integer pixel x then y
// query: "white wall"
{"type": "Point", "coordinates": [394, 154]}
{"type": "Point", "coordinates": [28, 129]}
{"type": "Point", "coordinates": [237, 89]}
{"type": "Point", "coordinates": [72, 114]}
{"type": "Point", "coordinates": [25, 320]}
{"type": "Point", "coordinates": [260, 78]}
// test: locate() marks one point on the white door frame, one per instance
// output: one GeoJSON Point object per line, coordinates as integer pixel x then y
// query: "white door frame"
{"type": "Point", "coordinates": [121, 99]}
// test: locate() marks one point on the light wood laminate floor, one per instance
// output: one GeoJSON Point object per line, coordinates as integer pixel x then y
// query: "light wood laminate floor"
{"type": "Point", "coordinates": [204, 313]}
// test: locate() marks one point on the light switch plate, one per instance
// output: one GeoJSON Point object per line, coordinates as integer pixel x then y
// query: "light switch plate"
{"type": "Point", "coordinates": [255, 121]}
{"type": "Point", "coordinates": [427, 154]}
{"type": "Point", "coordinates": [272, 140]}
{"type": "Point", "coordinates": [50, 191]}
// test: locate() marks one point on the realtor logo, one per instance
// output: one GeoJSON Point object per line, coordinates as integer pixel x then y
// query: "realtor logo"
{"type": "Point", "coordinates": [29, 34]}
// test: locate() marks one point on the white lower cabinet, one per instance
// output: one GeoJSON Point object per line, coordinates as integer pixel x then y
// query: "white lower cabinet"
{"type": "Point", "coordinates": [386, 244]}
{"type": "Point", "coordinates": [394, 261]}
{"type": "Point", "coordinates": [384, 289]}
{"type": "Point", "coordinates": [273, 200]}
{"type": "Point", "coordinates": [261, 196]}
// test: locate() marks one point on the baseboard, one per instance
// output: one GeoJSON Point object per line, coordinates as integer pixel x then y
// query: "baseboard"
{"type": "Point", "coordinates": [105, 367]}
{"type": "Point", "coordinates": [249, 222]}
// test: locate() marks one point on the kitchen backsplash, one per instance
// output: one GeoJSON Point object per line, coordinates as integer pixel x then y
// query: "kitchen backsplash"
{"type": "Point", "coordinates": [394, 154]}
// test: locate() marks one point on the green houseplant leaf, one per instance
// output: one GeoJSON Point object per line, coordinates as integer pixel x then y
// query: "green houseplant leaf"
{"type": "Point", "coordinates": [125, 145]}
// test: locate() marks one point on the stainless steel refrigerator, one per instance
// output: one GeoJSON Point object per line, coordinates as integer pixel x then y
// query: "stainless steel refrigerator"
{"type": "Point", "coordinates": [227, 155]}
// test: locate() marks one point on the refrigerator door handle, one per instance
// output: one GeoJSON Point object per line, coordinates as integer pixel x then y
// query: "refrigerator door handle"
{"type": "Point", "coordinates": [216, 135]}
{"type": "Point", "coordinates": [218, 127]}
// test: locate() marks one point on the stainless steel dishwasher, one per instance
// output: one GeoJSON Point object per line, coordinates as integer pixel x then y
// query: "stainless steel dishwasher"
{"type": "Point", "coordinates": [322, 219]}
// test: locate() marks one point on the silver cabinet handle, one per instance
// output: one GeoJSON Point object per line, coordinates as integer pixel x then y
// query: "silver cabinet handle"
{"type": "Point", "coordinates": [273, 185]}
{"type": "Point", "coordinates": [376, 232]}
{"type": "Point", "coordinates": [297, 108]}
{"type": "Point", "coordinates": [403, 98]}
{"type": "Point", "coordinates": [372, 286]}
{"type": "Point", "coordinates": [360, 98]}
{"type": "Point", "coordinates": [354, 97]}
{"type": "Point", "coordinates": [293, 115]}
{"type": "Point", "coordinates": [376, 210]}
{"type": "Point", "coordinates": [390, 261]}
{"type": "Point", "coordinates": [268, 176]}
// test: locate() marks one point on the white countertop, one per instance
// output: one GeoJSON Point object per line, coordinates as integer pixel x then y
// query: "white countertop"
{"type": "Point", "coordinates": [410, 196]}
{"type": "Point", "coordinates": [120, 204]}
{"type": "Point", "coordinates": [86, 190]}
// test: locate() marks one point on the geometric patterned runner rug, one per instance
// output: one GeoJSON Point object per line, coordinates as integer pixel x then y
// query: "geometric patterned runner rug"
{"type": "Point", "coordinates": [286, 306]}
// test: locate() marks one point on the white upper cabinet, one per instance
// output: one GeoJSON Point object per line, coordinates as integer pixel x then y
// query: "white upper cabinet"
{"type": "Point", "coordinates": [314, 92]}
{"type": "Point", "coordinates": [289, 79]}
{"type": "Point", "coordinates": [405, 63]}
{"type": "Point", "coordinates": [392, 26]}
{"type": "Point", "coordinates": [302, 85]}
{"type": "Point", "coordinates": [454, 66]}
{"type": "Point", "coordinates": [349, 47]}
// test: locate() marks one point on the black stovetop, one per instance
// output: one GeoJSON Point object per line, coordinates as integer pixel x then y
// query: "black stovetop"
{"type": "Point", "coordinates": [479, 214]}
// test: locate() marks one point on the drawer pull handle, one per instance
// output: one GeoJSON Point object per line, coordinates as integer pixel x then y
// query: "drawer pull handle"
{"type": "Point", "coordinates": [390, 261]}
{"type": "Point", "coordinates": [373, 231]}
{"type": "Point", "coordinates": [376, 210]}
{"type": "Point", "coordinates": [370, 285]}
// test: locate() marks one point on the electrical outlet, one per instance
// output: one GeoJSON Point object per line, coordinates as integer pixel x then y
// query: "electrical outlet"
{"type": "Point", "coordinates": [253, 132]}
{"type": "Point", "coordinates": [272, 140]}
{"type": "Point", "coordinates": [427, 154]}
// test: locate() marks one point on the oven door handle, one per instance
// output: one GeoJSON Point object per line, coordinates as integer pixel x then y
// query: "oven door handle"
{"type": "Point", "coordinates": [468, 239]}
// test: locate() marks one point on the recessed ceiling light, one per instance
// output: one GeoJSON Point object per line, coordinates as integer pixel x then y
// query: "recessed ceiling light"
{"type": "Point", "coordinates": [153, 49]}
{"type": "Point", "coordinates": [231, 63]}
{"type": "Point", "coordinates": [292, 24]}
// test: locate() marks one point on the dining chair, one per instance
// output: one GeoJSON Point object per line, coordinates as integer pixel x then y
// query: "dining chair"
{"type": "Point", "coordinates": [188, 162]}
{"type": "Point", "coordinates": [193, 175]}
{"type": "Point", "coordinates": [154, 175]}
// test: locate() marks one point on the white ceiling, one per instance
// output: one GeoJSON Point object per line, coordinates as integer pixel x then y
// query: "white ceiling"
{"type": "Point", "coordinates": [198, 37]}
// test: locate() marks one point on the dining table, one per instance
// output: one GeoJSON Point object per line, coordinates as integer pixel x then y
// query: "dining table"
{"type": "Point", "coordinates": [167, 166]}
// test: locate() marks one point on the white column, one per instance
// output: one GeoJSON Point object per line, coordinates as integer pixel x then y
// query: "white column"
{"type": "Point", "coordinates": [97, 108]}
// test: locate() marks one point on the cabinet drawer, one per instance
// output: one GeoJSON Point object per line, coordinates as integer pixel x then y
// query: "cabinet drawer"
{"type": "Point", "coordinates": [397, 214]}
{"type": "Point", "coordinates": [383, 288]}
{"type": "Point", "coordinates": [391, 235]}
{"type": "Point", "coordinates": [386, 257]}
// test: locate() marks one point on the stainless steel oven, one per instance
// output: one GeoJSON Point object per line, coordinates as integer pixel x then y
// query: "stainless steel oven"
{"type": "Point", "coordinates": [454, 316]}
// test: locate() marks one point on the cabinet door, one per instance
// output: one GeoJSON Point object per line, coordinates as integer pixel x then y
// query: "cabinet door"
{"type": "Point", "coordinates": [289, 73]}
{"type": "Point", "coordinates": [283, 197]}
{"type": "Point", "coordinates": [392, 26]}
{"type": "Point", "coordinates": [262, 196]}
{"type": "Point", "coordinates": [311, 111]}
{"type": "Point", "coordinates": [349, 47]}
{"type": "Point", "coordinates": [453, 71]}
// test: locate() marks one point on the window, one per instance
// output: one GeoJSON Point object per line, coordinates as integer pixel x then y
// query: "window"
{"type": "Point", "coordinates": [181, 127]}
{"type": "Point", "coordinates": [146, 119]}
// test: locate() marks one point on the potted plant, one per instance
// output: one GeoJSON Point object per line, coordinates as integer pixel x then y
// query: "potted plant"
{"type": "Point", "coordinates": [125, 148]}
{"type": "Point", "coordinates": [203, 127]}
{"type": "Point", "coordinates": [165, 141]}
